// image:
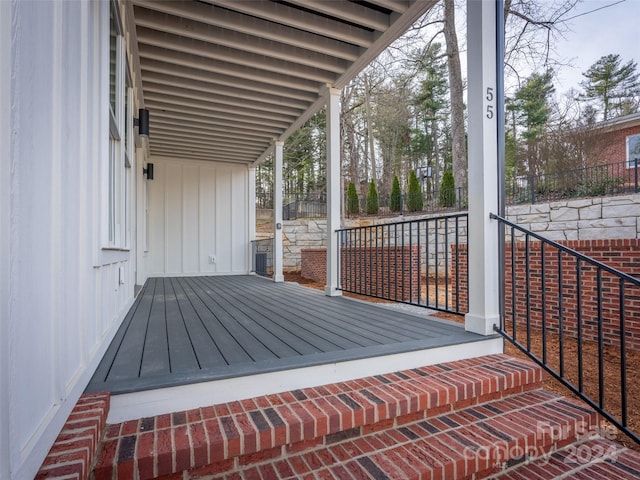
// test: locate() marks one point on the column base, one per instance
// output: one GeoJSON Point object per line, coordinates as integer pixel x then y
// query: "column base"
{"type": "Point", "coordinates": [278, 278]}
{"type": "Point", "coordinates": [332, 291]}
{"type": "Point", "coordinates": [480, 324]}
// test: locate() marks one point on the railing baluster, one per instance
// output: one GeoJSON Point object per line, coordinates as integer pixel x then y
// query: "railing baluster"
{"type": "Point", "coordinates": [600, 339]}
{"type": "Point", "coordinates": [560, 314]}
{"type": "Point", "coordinates": [437, 262]}
{"type": "Point", "coordinates": [544, 301]}
{"type": "Point", "coordinates": [623, 357]}
{"type": "Point", "coordinates": [411, 262]}
{"type": "Point", "coordinates": [446, 263]}
{"type": "Point", "coordinates": [527, 269]}
{"type": "Point", "coordinates": [427, 260]}
{"type": "Point", "coordinates": [395, 260]}
{"type": "Point", "coordinates": [513, 283]}
{"type": "Point", "coordinates": [419, 263]}
{"type": "Point", "coordinates": [402, 272]}
{"type": "Point", "coordinates": [458, 265]}
{"type": "Point", "coordinates": [579, 312]}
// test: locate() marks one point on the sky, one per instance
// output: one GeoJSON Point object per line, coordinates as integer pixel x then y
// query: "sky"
{"type": "Point", "coordinates": [612, 29]}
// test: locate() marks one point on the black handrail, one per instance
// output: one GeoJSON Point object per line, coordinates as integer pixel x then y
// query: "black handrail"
{"type": "Point", "coordinates": [407, 262]}
{"type": "Point", "coordinates": [573, 272]}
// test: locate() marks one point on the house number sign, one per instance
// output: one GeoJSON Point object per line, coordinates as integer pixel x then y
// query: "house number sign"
{"type": "Point", "coordinates": [489, 97]}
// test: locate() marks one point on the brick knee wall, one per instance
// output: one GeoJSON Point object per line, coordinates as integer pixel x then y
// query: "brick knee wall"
{"type": "Point", "coordinates": [314, 264]}
{"type": "Point", "coordinates": [389, 272]}
{"type": "Point", "coordinates": [621, 254]}
{"type": "Point", "coordinates": [73, 453]}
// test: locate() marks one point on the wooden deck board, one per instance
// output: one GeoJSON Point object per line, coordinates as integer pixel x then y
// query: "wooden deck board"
{"type": "Point", "coordinates": [189, 329]}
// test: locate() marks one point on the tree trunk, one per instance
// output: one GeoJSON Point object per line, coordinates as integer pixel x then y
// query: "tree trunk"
{"type": "Point", "coordinates": [372, 151]}
{"type": "Point", "coordinates": [459, 148]}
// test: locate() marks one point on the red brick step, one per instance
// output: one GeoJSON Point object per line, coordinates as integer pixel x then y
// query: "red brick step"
{"type": "Point", "coordinates": [594, 458]}
{"type": "Point", "coordinates": [261, 429]}
{"type": "Point", "coordinates": [472, 442]}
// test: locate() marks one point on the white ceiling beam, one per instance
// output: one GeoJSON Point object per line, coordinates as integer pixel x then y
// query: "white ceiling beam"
{"type": "Point", "coordinates": [201, 131]}
{"type": "Point", "coordinates": [175, 43]}
{"type": "Point", "coordinates": [177, 137]}
{"type": "Point", "coordinates": [214, 78]}
{"type": "Point", "coordinates": [229, 20]}
{"type": "Point", "coordinates": [206, 158]}
{"type": "Point", "coordinates": [398, 6]}
{"type": "Point", "coordinates": [233, 94]}
{"type": "Point", "coordinates": [174, 120]}
{"type": "Point", "coordinates": [161, 107]}
{"type": "Point", "coordinates": [180, 122]}
{"type": "Point", "coordinates": [240, 41]}
{"type": "Point", "coordinates": [215, 110]}
{"type": "Point", "coordinates": [180, 89]}
{"type": "Point", "coordinates": [293, 17]}
{"type": "Point", "coordinates": [350, 12]}
{"type": "Point", "coordinates": [229, 155]}
{"type": "Point", "coordinates": [226, 68]}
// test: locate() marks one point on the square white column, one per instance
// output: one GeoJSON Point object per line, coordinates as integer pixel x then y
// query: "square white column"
{"type": "Point", "coordinates": [278, 276]}
{"type": "Point", "coordinates": [483, 258]}
{"type": "Point", "coordinates": [333, 189]}
{"type": "Point", "coordinates": [251, 211]}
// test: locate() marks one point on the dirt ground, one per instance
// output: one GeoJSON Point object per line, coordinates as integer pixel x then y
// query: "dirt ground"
{"type": "Point", "coordinates": [590, 378]}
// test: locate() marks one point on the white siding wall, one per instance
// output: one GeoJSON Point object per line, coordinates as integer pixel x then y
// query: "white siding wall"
{"type": "Point", "coordinates": [61, 299]}
{"type": "Point", "coordinates": [198, 209]}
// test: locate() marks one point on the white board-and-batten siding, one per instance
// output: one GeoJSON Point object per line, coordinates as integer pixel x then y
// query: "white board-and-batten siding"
{"type": "Point", "coordinates": [62, 296]}
{"type": "Point", "coordinates": [198, 222]}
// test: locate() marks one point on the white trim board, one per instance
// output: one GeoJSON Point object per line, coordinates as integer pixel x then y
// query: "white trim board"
{"type": "Point", "coordinates": [131, 406]}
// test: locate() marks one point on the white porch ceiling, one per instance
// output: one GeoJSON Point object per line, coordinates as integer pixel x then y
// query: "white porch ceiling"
{"type": "Point", "coordinates": [223, 79]}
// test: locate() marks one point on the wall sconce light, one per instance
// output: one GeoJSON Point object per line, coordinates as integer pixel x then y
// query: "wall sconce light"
{"type": "Point", "coordinates": [148, 171]}
{"type": "Point", "coordinates": [142, 122]}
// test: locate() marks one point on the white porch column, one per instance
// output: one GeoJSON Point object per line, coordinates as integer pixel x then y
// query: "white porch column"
{"type": "Point", "coordinates": [277, 213]}
{"type": "Point", "coordinates": [483, 261]}
{"type": "Point", "coordinates": [251, 211]}
{"type": "Point", "coordinates": [333, 189]}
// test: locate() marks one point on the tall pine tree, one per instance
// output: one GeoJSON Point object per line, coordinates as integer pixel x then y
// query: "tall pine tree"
{"type": "Point", "coordinates": [612, 85]}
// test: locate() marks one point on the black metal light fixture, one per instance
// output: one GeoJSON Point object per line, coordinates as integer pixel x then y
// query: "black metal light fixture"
{"type": "Point", "coordinates": [424, 172]}
{"type": "Point", "coordinates": [142, 122]}
{"type": "Point", "coordinates": [148, 171]}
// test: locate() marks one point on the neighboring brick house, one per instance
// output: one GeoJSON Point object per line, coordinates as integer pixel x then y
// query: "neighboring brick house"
{"type": "Point", "coordinates": [616, 141]}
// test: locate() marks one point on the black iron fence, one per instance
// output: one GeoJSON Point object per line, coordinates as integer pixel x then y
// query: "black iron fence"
{"type": "Point", "coordinates": [609, 179]}
{"type": "Point", "coordinates": [296, 205]}
{"type": "Point", "coordinates": [262, 257]}
{"type": "Point", "coordinates": [414, 262]}
{"type": "Point", "coordinates": [438, 201]}
{"type": "Point", "coordinates": [576, 317]}
{"type": "Point", "coordinates": [598, 180]}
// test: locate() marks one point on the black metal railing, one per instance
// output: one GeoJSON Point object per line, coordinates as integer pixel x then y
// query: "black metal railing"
{"type": "Point", "coordinates": [414, 262]}
{"type": "Point", "coordinates": [262, 257]}
{"type": "Point", "coordinates": [597, 180]}
{"type": "Point", "coordinates": [574, 316]}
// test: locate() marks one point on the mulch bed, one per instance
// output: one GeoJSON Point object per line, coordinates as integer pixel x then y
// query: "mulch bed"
{"type": "Point", "coordinates": [590, 376]}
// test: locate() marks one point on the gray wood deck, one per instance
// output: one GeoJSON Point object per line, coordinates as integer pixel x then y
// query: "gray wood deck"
{"type": "Point", "coordinates": [192, 329]}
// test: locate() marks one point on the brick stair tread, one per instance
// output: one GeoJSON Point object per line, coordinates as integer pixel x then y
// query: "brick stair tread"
{"type": "Point", "coordinates": [594, 458]}
{"type": "Point", "coordinates": [180, 441]}
{"type": "Point", "coordinates": [476, 440]}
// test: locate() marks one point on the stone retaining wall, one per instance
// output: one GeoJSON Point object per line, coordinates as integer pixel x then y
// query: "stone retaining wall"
{"type": "Point", "coordinates": [582, 219]}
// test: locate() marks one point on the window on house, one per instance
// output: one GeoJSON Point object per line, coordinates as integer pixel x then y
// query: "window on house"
{"type": "Point", "coordinates": [633, 150]}
{"type": "Point", "coordinates": [120, 141]}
